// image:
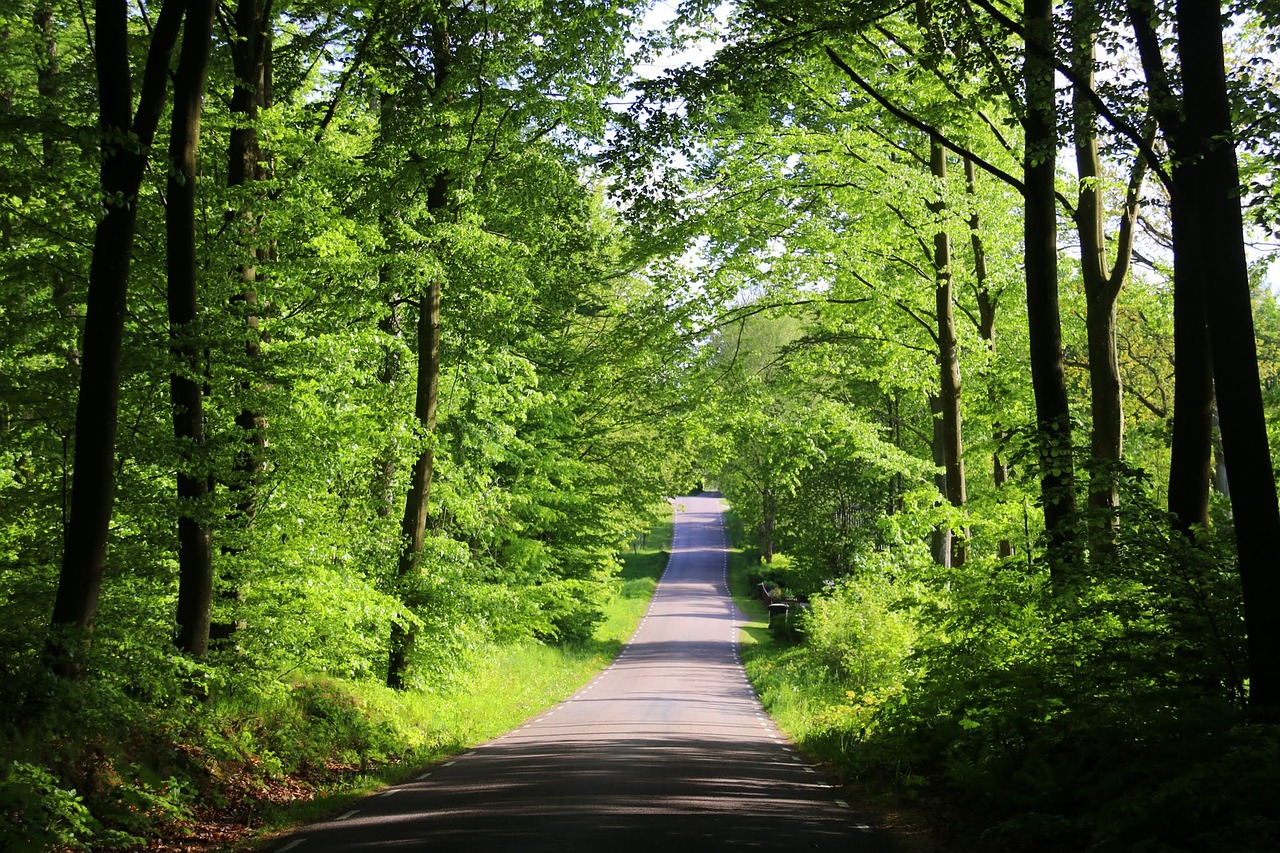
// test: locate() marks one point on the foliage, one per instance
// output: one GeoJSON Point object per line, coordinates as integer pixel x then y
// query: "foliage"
{"type": "Point", "coordinates": [261, 749]}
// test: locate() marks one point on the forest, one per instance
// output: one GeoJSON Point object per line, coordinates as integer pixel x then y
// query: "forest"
{"type": "Point", "coordinates": [352, 348]}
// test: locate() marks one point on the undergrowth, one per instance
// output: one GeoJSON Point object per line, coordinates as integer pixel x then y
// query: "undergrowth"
{"type": "Point", "coordinates": [1023, 723]}
{"type": "Point", "coordinates": [106, 769]}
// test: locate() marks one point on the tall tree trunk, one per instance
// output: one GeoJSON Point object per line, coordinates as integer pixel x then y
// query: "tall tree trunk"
{"type": "Point", "coordinates": [1221, 483]}
{"type": "Point", "coordinates": [97, 407]}
{"type": "Point", "coordinates": [418, 500]}
{"type": "Point", "coordinates": [768, 524]}
{"type": "Point", "coordinates": [250, 50]}
{"type": "Point", "coordinates": [987, 330]}
{"type": "Point", "coordinates": [1193, 411]}
{"type": "Point", "coordinates": [1216, 184]}
{"type": "Point", "coordinates": [250, 59]}
{"type": "Point", "coordinates": [391, 325]}
{"type": "Point", "coordinates": [1190, 456]}
{"type": "Point", "coordinates": [1105, 384]}
{"type": "Point", "coordinates": [195, 546]}
{"type": "Point", "coordinates": [1053, 415]}
{"type": "Point", "coordinates": [1102, 285]}
{"type": "Point", "coordinates": [389, 375]}
{"type": "Point", "coordinates": [49, 87]}
{"type": "Point", "coordinates": [948, 358]}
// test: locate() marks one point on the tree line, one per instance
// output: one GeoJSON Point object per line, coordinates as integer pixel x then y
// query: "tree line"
{"type": "Point", "coordinates": [987, 298]}
{"type": "Point", "coordinates": [346, 339]}
{"type": "Point", "coordinates": [325, 344]}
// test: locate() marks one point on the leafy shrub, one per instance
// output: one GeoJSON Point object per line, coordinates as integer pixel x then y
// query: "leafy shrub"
{"type": "Point", "coordinates": [36, 813]}
{"type": "Point", "coordinates": [860, 629]}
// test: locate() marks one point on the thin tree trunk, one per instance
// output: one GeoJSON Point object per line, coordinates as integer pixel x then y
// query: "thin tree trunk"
{"type": "Point", "coordinates": [97, 407]}
{"type": "Point", "coordinates": [768, 524]}
{"type": "Point", "coordinates": [1216, 183]}
{"type": "Point", "coordinates": [987, 330]}
{"type": "Point", "coordinates": [948, 360]}
{"type": "Point", "coordinates": [391, 325]}
{"type": "Point", "coordinates": [1193, 410]}
{"type": "Point", "coordinates": [249, 53]}
{"type": "Point", "coordinates": [195, 546]}
{"type": "Point", "coordinates": [389, 375]}
{"type": "Point", "coordinates": [940, 538]}
{"type": "Point", "coordinates": [1053, 416]}
{"type": "Point", "coordinates": [418, 500]}
{"type": "Point", "coordinates": [1102, 284]}
{"type": "Point", "coordinates": [1221, 483]}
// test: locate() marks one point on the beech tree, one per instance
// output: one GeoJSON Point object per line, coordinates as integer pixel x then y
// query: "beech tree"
{"type": "Point", "coordinates": [126, 136]}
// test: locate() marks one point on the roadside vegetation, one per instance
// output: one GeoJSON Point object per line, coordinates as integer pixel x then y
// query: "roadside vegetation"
{"type": "Point", "coordinates": [1008, 724]}
{"type": "Point", "coordinates": [268, 752]}
{"type": "Point", "coordinates": [344, 344]}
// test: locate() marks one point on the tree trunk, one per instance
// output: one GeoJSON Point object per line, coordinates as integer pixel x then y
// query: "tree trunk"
{"type": "Point", "coordinates": [1190, 457]}
{"type": "Point", "coordinates": [250, 60]}
{"type": "Point", "coordinates": [1216, 185]}
{"type": "Point", "coordinates": [987, 330]}
{"type": "Point", "coordinates": [195, 546]}
{"type": "Point", "coordinates": [391, 325]}
{"type": "Point", "coordinates": [940, 539]}
{"type": "Point", "coordinates": [1193, 411]}
{"type": "Point", "coordinates": [948, 360]}
{"type": "Point", "coordinates": [389, 375]}
{"type": "Point", "coordinates": [1102, 285]}
{"type": "Point", "coordinates": [97, 407]}
{"type": "Point", "coordinates": [768, 524]}
{"type": "Point", "coordinates": [417, 504]}
{"type": "Point", "coordinates": [1053, 415]}
{"type": "Point", "coordinates": [418, 501]}
{"type": "Point", "coordinates": [250, 50]}
{"type": "Point", "coordinates": [1221, 483]}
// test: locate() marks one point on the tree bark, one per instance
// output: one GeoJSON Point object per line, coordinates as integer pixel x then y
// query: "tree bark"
{"type": "Point", "coordinates": [250, 59]}
{"type": "Point", "coordinates": [1216, 186]}
{"type": "Point", "coordinates": [1053, 415]}
{"type": "Point", "coordinates": [418, 500]}
{"type": "Point", "coordinates": [417, 504]}
{"type": "Point", "coordinates": [1101, 292]}
{"type": "Point", "coordinates": [948, 359]}
{"type": "Point", "coordinates": [1221, 483]}
{"type": "Point", "coordinates": [940, 538]}
{"type": "Point", "coordinates": [195, 546]}
{"type": "Point", "coordinates": [1102, 285]}
{"type": "Point", "coordinates": [250, 50]}
{"type": "Point", "coordinates": [1193, 411]}
{"type": "Point", "coordinates": [987, 331]}
{"type": "Point", "coordinates": [97, 407]}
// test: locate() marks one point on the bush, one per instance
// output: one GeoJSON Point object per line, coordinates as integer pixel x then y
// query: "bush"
{"type": "Point", "coordinates": [37, 814]}
{"type": "Point", "coordinates": [860, 629]}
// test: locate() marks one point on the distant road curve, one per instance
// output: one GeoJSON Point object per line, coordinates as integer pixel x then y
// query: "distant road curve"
{"type": "Point", "coordinates": [665, 750]}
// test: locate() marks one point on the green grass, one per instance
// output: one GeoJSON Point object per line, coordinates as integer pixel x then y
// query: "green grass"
{"type": "Point", "coordinates": [800, 699]}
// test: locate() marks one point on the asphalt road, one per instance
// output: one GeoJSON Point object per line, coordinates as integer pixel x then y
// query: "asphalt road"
{"type": "Point", "coordinates": [666, 749]}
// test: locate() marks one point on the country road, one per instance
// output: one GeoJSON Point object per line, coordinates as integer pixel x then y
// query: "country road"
{"type": "Point", "coordinates": [666, 749]}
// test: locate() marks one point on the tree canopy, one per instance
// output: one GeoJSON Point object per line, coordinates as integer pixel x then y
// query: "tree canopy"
{"type": "Point", "coordinates": [352, 340]}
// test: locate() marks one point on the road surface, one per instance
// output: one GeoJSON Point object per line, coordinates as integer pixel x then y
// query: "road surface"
{"type": "Point", "coordinates": [667, 749]}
